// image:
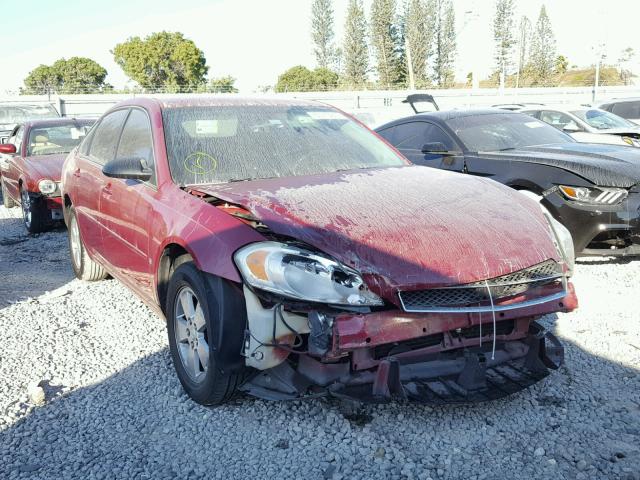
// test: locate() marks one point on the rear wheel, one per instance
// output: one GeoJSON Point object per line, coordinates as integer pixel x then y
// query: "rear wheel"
{"type": "Point", "coordinates": [205, 321]}
{"type": "Point", "coordinates": [83, 266]}
{"type": "Point", "coordinates": [34, 212]}
{"type": "Point", "coordinates": [7, 201]}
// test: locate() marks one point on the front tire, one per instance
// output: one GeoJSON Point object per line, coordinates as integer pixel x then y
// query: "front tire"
{"type": "Point", "coordinates": [7, 201]}
{"type": "Point", "coordinates": [34, 212]}
{"type": "Point", "coordinates": [83, 266]}
{"type": "Point", "coordinates": [206, 317]}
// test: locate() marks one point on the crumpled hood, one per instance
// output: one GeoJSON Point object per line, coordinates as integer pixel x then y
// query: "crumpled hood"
{"type": "Point", "coordinates": [602, 164]}
{"type": "Point", "coordinates": [46, 166]}
{"type": "Point", "coordinates": [403, 228]}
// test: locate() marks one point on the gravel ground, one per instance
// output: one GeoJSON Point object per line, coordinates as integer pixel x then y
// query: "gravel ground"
{"type": "Point", "coordinates": [113, 407]}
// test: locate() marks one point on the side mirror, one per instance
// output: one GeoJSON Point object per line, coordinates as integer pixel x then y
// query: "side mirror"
{"type": "Point", "coordinates": [129, 168]}
{"type": "Point", "coordinates": [434, 147]}
{"type": "Point", "coordinates": [8, 148]}
{"type": "Point", "coordinates": [571, 127]}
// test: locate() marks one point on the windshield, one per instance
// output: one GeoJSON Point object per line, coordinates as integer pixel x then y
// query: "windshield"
{"type": "Point", "coordinates": [218, 144]}
{"type": "Point", "coordinates": [504, 131]}
{"type": "Point", "coordinates": [603, 120]}
{"type": "Point", "coordinates": [56, 139]}
{"type": "Point", "coordinates": [12, 114]}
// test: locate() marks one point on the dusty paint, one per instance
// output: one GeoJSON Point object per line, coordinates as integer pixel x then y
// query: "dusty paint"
{"type": "Point", "coordinates": [403, 228]}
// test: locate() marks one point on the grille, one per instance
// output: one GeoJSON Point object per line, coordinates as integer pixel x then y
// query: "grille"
{"type": "Point", "coordinates": [476, 293]}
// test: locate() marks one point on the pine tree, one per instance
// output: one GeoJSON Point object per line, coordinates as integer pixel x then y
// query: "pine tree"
{"type": "Point", "coordinates": [503, 25]}
{"type": "Point", "coordinates": [543, 49]}
{"type": "Point", "coordinates": [355, 49]}
{"type": "Point", "coordinates": [524, 35]}
{"type": "Point", "coordinates": [419, 37]}
{"type": "Point", "coordinates": [445, 42]}
{"type": "Point", "coordinates": [322, 32]}
{"type": "Point", "coordinates": [384, 40]}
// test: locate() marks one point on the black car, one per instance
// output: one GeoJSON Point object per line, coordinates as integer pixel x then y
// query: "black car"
{"type": "Point", "coordinates": [593, 189]}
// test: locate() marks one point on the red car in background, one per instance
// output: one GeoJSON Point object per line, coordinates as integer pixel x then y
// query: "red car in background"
{"type": "Point", "coordinates": [31, 167]}
{"type": "Point", "coordinates": [294, 253]}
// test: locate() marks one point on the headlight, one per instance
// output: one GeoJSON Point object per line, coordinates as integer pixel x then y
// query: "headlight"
{"type": "Point", "coordinates": [594, 195]}
{"type": "Point", "coordinates": [303, 275]}
{"type": "Point", "coordinates": [634, 142]}
{"type": "Point", "coordinates": [47, 186]}
{"type": "Point", "coordinates": [563, 240]}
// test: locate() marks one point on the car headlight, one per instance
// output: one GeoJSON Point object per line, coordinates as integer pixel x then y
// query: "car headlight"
{"type": "Point", "coordinates": [634, 142]}
{"type": "Point", "coordinates": [302, 275]}
{"type": "Point", "coordinates": [47, 186]}
{"type": "Point", "coordinates": [594, 195]}
{"type": "Point", "coordinates": [562, 240]}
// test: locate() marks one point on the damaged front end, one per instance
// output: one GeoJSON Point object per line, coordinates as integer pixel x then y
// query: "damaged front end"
{"type": "Point", "coordinates": [474, 343]}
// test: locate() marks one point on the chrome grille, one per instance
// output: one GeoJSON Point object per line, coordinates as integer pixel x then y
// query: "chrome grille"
{"type": "Point", "coordinates": [476, 294]}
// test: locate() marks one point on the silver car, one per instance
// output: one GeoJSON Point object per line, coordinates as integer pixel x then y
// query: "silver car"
{"type": "Point", "coordinates": [588, 124]}
{"type": "Point", "coordinates": [12, 114]}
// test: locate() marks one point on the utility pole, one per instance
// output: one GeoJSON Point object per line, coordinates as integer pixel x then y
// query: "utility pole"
{"type": "Point", "coordinates": [599, 49]}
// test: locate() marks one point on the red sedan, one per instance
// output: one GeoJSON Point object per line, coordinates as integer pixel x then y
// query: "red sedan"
{"type": "Point", "coordinates": [32, 166]}
{"type": "Point", "coordinates": [294, 253]}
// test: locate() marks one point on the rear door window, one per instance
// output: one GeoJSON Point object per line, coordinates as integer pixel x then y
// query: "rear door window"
{"type": "Point", "coordinates": [105, 139]}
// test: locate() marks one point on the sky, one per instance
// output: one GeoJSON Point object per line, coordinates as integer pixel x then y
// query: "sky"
{"type": "Point", "coordinates": [256, 40]}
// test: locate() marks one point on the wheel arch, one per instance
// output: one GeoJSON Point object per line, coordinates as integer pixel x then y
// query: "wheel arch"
{"type": "Point", "coordinates": [172, 255]}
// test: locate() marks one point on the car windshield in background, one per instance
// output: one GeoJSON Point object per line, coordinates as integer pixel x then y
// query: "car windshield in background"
{"type": "Point", "coordinates": [218, 144]}
{"type": "Point", "coordinates": [12, 114]}
{"type": "Point", "coordinates": [504, 131]}
{"type": "Point", "coordinates": [603, 120]}
{"type": "Point", "coordinates": [55, 139]}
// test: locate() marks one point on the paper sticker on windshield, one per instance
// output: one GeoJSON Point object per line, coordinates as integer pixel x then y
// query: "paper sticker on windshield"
{"type": "Point", "coordinates": [534, 124]}
{"type": "Point", "coordinates": [206, 127]}
{"type": "Point", "coordinates": [325, 115]}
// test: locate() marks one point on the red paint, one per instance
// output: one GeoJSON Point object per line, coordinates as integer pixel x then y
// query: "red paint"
{"type": "Point", "coordinates": [403, 228]}
{"type": "Point", "coordinates": [22, 171]}
{"type": "Point", "coordinates": [354, 331]}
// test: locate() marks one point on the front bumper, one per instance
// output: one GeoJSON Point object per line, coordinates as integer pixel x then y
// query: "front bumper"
{"type": "Point", "coordinates": [463, 376]}
{"type": "Point", "coordinates": [600, 230]}
{"type": "Point", "coordinates": [423, 357]}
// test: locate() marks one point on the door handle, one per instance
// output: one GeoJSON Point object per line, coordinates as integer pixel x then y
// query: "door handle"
{"type": "Point", "coordinates": [76, 172]}
{"type": "Point", "coordinates": [106, 190]}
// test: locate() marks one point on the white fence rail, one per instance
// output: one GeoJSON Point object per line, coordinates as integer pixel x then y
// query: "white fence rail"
{"type": "Point", "coordinates": [374, 107]}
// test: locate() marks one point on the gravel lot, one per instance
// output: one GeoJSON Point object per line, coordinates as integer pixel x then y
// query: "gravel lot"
{"type": "Point", "coordinates": [115, 409]}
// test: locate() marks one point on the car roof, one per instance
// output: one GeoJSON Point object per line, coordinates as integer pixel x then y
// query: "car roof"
{"type": "Point", "coordinates": [620, 100]}
{"type": "Point", "coordinates": [52, 122]}
{"type": "Point", "coordinates": [561, 108]}
{"type": "Point", "coordinates": [444, 115]}
{"type": "Point", "coordinates": [220, 101]}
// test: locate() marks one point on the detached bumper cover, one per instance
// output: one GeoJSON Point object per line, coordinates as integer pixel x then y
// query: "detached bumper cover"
{"type": "Point", "coordinates": [468, 376]}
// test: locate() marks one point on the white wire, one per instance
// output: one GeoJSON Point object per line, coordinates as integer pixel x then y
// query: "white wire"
{"type": "Point", "coordinates": [493, 311]}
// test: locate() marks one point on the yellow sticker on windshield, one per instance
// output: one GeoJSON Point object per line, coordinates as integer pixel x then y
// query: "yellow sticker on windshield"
{"type": "Point", "coordinates": [200, 163]}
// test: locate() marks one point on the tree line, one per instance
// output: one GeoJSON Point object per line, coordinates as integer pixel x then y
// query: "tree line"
{"type": "Point", "coordinates": [413, 44]}
{"type": "Point", "coordinates": [160, 62]}
{"type": "Point", "coordinates": [397, 44]}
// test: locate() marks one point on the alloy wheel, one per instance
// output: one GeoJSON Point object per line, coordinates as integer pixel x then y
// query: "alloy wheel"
{"type": "Point", "coordinates": [74, 242]}
{"type": "Point", "coordinates": [191, 334]}
{"type": "Point", "coordinates": [25, 200]}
